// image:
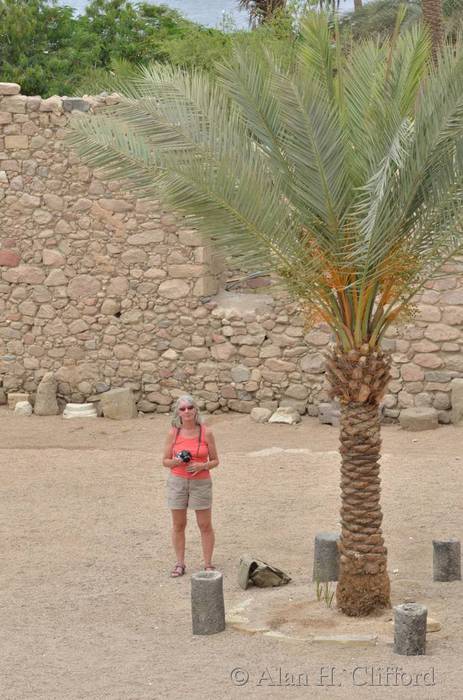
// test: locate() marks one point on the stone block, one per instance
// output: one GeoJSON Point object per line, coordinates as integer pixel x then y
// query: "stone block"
{"type": "Point", "coordinates": [51, 104]}
{"type": "Point", "coordinates": [420, 418]}
{"type": "Point", "coordinates": [206, 286]}
{"type": "Point", "coordinates": [15, 104]}
{"type": "Point", "coordinates": [17, 142]}
{"type": "Point", "coordinates": [83, 286]}
{"type": "Point", "coordinates": [15, 397]}
{"type": "Point", "coordinates": [23, 408]}
{"type": "Point", "coordinates": [297, 391]}
{"type": "Point", "coordinates": [10, 89]}
{"type": "Point", "coordinates": [285, 414]}
{"type": "Point", "coordinates": [412, 373]}
{"type": "Point", "coordinates": [77, 103]}
{"type": "Point", "coordinates": [427, 360]}
{"type": "Point", "coordinates": [240, 373]}
{"type": "Point", "coordinates": [56, 278]}
{"type": "Point", "coordinates": [260, 415]}
{"type": "Point", "coordinates": [150, 237]}
{"type": "Point", "coordinates": [241, 406]}
{"type": "Point", "coordinates": [223, 352]}
{"type": "Point", "coordinates": [173, 289]}
{"type": "Point", "coordinates": [119, 404]}
{"type": "Point", "coordinates": [9, 258]}
{"type": "Point", "coordinates": [440, 332]}
{"type": "Point", "coordinates": [24, 274]}
{"type": "Point", "coordinates": [300, 406]}
{"type": "Point", "coordinates": [146, 406]}
{"type": "Point", "coordinates": [186, 271]}
{"type": "Point", "coordinates": [45, 400]}
{"type": "Point", "coordinates": [313, 363]}
{"type": "Point", "coordinates": [457, 400]}
{"type": "Point", "coordinates": [53, 258]}
{"type": "Point", "coordinates": [324, 413]}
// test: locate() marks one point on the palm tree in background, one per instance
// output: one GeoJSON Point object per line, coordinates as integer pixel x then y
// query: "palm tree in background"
{"type": "Point", "coordinates": [433, 18]}
{"type": "Point", "coordinates": [343, 176]}
{"type": "Point", "coordinates": [261, 11]}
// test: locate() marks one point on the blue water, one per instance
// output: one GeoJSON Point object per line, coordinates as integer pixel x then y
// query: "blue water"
{"type": "Point", "coordinates": [207, 12]}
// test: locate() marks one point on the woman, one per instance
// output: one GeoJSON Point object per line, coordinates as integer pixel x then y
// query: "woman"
{"type": "Point", "coordinates": [189, 483]}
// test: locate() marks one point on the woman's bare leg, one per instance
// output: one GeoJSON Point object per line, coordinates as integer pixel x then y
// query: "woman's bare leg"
{"type": "Point", "coordinates": [178, 533]}
{"type": "Point", "coordinates": [203, 518]}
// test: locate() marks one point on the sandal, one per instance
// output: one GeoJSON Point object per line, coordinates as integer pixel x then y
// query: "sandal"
{"type": "Point", "coordinates": [178, 570]}
{"type": "Point", "coordinates": [209, 568]}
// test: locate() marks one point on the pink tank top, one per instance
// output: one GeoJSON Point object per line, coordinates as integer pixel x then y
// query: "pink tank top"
{"type": "Point", "coordinates": [199, 451]}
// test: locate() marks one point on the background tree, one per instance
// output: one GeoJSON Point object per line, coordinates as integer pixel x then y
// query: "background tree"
{"type": "Point", "coordinates": [261, 11]}
{"type": "Point", "coordinates": [41, 47]}
{"type": "Point", "coordinates": [433, 18]}
{"type": "Point", "coordinates": [134, 32]}
{"type": "Point", "coordinates": [379, 17]}
{"type": "Point", "coordinates": [48, 50]}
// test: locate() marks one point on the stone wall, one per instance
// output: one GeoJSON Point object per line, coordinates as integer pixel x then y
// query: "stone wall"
{"type": "Point", "coordinates": [106, 290]}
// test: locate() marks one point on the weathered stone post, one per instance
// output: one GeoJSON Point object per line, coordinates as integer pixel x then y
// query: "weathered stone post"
{"type": "Point", "coordinates": [446, 560]}
{"type": "Point", "coordinates": [207, 603]}
{"type": "Point", "coordinates": [456, 387]}
{"type": "Point", "coordinates": [326, 557]}
{"type": "Point", "coordinates": [410, 629]}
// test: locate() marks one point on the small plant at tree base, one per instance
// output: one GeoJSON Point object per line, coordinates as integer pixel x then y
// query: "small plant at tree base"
{"type": "Point", "coordinates": [324, 592]}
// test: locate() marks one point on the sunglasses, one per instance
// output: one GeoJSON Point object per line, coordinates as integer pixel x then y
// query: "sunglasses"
{"type": "Point", "coordinates": [186, 408]}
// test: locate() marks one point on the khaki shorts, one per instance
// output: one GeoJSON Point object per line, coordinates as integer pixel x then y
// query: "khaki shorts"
{"type": "Point", "coordinates": [188, 493]}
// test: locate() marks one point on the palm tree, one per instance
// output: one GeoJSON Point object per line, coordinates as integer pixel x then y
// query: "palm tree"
{"type": "Point", "coordinates": [379, 17]}
{"type": "Point", "coordinates": [261, 11]}
{"type": "Point", "coordinates": [433, 18]}
{"type": "Point", "coordinates": [343, 175]}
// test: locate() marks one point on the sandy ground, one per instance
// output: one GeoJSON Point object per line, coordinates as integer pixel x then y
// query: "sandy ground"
{"type": "Point", "coordinates": [87, 609]}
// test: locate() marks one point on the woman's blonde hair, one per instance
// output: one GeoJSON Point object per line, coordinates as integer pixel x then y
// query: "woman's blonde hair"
{"type": "Point", "coordinates": [186, 398]}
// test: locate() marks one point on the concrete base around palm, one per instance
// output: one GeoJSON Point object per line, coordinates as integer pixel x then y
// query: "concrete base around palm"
{"type": "Point", "coordinates": [294, 613]}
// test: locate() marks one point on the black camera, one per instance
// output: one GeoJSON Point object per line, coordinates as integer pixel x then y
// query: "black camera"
{"type": "Point", "coordinates": [184, 455]}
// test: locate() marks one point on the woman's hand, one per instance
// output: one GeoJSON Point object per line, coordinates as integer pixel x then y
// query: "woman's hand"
{"type": "Point", "coordinates": [196, 467]}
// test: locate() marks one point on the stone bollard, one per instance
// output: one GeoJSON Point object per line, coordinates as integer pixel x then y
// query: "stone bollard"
{"type": "Point", "coordinates": [326, 557]}
{"type": "Point", "coordinates": [446, 560]}
{"type": "Point", "coordinates": [207, 604]}
{"type": "Point", "coordinates": [410, 629]}
{"type": "Point", "coordinates": [324, 413]}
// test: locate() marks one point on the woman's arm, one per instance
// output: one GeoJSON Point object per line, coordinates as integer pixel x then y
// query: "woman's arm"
{"type": "Point", "coordinates": [167, 460]}
{"type": "Point", "coordinates": [213, 460]}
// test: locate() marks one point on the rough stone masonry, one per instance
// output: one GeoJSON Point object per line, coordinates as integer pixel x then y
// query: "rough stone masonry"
{"type": "Point", "coordinates": [105, 290]}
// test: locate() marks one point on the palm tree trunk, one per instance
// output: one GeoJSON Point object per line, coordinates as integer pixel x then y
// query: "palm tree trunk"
{"type": "Point", "coordinates": [359, 380]}
{"type": "Point", "coordinates": [357, 5]}
{"type": "Point", "coordinates": [433, 18]}
{"type": "Point", "coordinates": [363, 584]}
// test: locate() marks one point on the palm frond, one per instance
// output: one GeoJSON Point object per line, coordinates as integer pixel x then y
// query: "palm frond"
{"type": "Point", "coordinates": [342, 173]}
